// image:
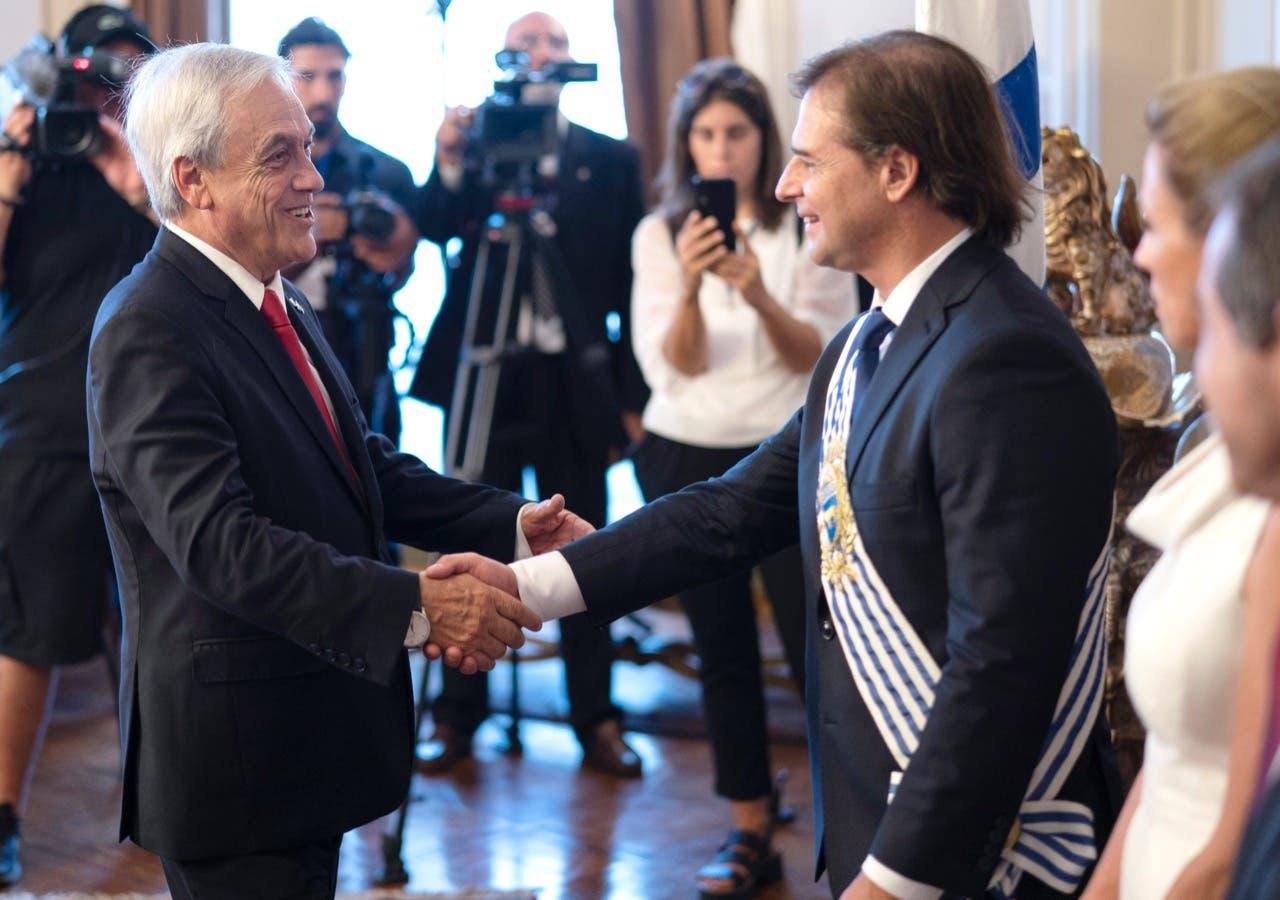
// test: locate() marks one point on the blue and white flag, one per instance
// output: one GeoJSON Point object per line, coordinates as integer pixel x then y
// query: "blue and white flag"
{"type": "Point", "coordinates": [998, 34]}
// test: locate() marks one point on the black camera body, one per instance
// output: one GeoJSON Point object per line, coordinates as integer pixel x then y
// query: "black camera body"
{"type": "Point", "coordinates": [510, 128]}
{"type": "Point", "coordinates": [368, 214]}
{"type": "Point", "coordinates": [65, 129]}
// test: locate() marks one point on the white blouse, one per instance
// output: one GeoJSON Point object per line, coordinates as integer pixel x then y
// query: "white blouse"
{"type": "Point", "coordinates": [747, 392]}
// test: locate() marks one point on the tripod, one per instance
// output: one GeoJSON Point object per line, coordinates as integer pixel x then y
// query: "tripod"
{"type": "Point", "coordinates": [517, 259]}
{"type": "Point", "coordinates": [359, 324]}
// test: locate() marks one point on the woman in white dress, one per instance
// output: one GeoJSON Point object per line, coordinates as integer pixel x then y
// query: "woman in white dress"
{"type": "Point", "coordinates": [1198, 614]}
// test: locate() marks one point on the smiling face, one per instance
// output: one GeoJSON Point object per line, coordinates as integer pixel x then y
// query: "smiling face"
{"type": "Point", "coordinates": [257, 204]}
{"type": "Point", "coordinates": [725, 143]}
{"type": "Point", "coordinates": [1169, 252]}
{"type": "Point", "coordinates": [840, 197]}
{"type": "Point", "coordinates": [319, 78]}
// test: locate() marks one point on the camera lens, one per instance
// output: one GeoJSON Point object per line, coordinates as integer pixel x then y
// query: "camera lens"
{"type": "Point", "coordinates": [68, 133]}
{"type": "Point", "coordinates": [371, 220]}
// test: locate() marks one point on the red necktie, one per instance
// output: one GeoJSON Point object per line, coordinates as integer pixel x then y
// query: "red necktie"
{"type": "Point", "coordinates": [273, 309]}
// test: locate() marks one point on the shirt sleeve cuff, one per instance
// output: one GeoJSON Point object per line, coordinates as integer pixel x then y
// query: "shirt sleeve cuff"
{"type": "Point", "coordinates": [548, 587]}
{"type": "Point", "coordinates": [523, 550]}
{"type": "Point", "coordinates": [899, 885]}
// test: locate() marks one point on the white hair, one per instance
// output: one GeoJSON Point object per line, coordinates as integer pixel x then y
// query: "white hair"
{"type": "Point", "coordinates": [177, 106]}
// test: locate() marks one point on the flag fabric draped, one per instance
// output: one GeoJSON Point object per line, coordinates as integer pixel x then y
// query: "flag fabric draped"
{"type": "Point", "coordinates": [998, 34]}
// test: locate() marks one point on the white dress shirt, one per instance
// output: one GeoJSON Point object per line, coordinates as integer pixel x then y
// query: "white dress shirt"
{"type": "Point", "coordinates": [747, 391]}
{"type": "Point", "coordinates": [548, 587]}
{"type": "Point", "coordinates": [255, 289]}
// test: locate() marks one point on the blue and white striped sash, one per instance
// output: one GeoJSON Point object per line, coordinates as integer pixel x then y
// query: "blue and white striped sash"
{"type": "Point", "coordinates": [1052, 839]}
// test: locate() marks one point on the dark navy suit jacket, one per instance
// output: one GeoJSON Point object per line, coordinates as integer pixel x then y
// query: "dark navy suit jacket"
{"type": "Point", "coordinates": [264, 697]}
{"type": "Point", "coordinates": [982, 469]}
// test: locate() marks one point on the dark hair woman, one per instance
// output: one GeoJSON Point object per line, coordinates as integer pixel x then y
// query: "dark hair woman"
{"type": "Point", "coordinates": [726, 340]}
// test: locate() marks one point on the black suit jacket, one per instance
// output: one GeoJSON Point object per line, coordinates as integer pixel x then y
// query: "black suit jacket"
{"type": "Point", "coordinates": [982, 468]}
{"type": "Point", "coordinates": [265, 693]}
{"type": "Point", "coordinates": [598, 204]}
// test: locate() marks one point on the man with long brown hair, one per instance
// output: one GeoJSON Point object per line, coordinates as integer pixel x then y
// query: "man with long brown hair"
{"type": "Point", "coordinates": [950, 482]}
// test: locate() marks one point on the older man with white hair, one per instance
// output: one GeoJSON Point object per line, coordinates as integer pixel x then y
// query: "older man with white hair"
{"type": "Point", "coordinates": [265, 703]}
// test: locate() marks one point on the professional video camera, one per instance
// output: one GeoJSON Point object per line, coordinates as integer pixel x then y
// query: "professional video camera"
{"type": "Point", "coordinates": [47, 79]}
{"type": "Point", "coordinates": [517, 123]}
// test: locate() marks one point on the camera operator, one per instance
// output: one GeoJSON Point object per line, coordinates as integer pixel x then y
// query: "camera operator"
{"type": "Point", "coordinates": [365, 238]}
{"type": "Point", "coordinates": [548, 413]}
{"type": "Point", "coordinates": [72, 226]}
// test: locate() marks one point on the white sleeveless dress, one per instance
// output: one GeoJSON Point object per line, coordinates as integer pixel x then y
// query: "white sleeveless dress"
{"type": "Point", "coordinates": [1182, 658]}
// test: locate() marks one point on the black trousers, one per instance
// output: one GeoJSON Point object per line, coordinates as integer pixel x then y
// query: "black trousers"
{"type": "Point", "coordinates": [724, 626]}
{"type": "Point", "coordinates": [529, 429]}
{"type": "Point", "coordinates": [309, 872]}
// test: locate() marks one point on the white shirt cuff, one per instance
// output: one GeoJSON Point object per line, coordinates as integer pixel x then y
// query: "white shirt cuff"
{"type": "Point", "coordinates": [547, 586]}
{"type": "Point", "coordinates": [523, 550]}
{"type": "Point", "coordinates": [899, 885]}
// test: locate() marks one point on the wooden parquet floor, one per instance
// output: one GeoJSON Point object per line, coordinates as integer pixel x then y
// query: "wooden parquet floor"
{"type": "Point", "coordinates": [538, 821]}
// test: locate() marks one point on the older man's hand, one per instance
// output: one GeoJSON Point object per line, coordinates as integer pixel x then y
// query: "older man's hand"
{"type": "Point", "coordinates": [476, 619]}
{"type": "Point", "coordinates": [493, 573]}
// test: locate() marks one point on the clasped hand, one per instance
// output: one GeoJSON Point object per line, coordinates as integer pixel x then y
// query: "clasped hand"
{"type": "Point", "coordinates": [546, 526]}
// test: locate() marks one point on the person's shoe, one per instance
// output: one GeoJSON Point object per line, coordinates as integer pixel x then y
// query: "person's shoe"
{"type": "Point", "coordinates": [446, 748]}
{"type": "Point", "coordinates": [744, 864]}
{"type": "Point", "coordinates": [605, 751]}
{"type": "Point", "coordinates": [10, 863]}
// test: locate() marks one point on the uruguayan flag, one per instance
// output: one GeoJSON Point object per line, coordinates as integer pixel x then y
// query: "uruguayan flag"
{"type": "Point", "coordinates": [998, 34]}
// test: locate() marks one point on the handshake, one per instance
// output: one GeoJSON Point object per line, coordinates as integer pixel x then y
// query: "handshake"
{"type": "Point", "coordinates": [472, 602]}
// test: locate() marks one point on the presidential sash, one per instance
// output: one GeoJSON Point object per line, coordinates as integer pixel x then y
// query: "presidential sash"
{"type": "Point", "coordinates": [1052, 839]}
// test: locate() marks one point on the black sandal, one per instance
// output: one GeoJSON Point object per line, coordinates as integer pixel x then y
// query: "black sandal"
{"type": "Point", "coordinates": [745, 862]}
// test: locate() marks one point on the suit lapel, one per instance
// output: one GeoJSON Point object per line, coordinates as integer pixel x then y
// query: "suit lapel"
{"type": "Point", "coordinates": [952, 283]}
{"type": "Point", "coordinates": [246, 319]}
{"type": "Point", "coordinates": [344, 418]}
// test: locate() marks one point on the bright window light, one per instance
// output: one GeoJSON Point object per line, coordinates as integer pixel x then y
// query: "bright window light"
{"type": "Point", "coordinates": [406, 66]}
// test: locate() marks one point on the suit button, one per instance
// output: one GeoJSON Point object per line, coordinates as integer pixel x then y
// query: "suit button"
{"type": "Point", "coordinates": [358, 665]}
{"type": "Point", "coordinates": [344, 660]}
{"type": "Point", "coordinates": [827, 630]}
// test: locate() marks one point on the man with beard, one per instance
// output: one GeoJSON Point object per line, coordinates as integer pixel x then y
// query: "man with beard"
{"type": "Point", "coordinates": [353, 277]}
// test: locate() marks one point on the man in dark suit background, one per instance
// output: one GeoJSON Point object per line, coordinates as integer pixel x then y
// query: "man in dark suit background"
{"type": "Point", "coordinates": [265, 702]}
{"type": "Point", "coordinates": [950, 482]}
{"type": "Point", "coordinates": [571, 403]}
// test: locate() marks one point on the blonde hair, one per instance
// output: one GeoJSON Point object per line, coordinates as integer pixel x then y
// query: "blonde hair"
{"type": "Point", "coordinates": [1204, 124]}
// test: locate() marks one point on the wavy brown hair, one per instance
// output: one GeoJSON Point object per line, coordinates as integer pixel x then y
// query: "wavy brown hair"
{"type": "Point", "coordinates": [707, 81]}
{"type": "Point", "coordinates": [931, 99]}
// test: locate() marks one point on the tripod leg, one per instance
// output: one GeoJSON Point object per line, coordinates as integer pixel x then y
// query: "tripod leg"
{"type": "Point", "coordinates": [393, 868]}
{"type": "Point", "coordinates": [515, 746]}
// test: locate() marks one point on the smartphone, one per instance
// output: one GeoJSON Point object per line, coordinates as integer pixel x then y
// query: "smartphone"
{"type": "Point", "coordinates": [718, 197]}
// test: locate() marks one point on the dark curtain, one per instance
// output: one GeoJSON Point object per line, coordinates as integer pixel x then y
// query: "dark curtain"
{"type": "Point", "coordinates": [658, 41]}
{"type": "Point", "coordinates": [184, 21]}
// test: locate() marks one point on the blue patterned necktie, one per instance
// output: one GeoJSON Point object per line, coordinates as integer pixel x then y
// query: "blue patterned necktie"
{"type": "Point", "coordinates": [867, 358]}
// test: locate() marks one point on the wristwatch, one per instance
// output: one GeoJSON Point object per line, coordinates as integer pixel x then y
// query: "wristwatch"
{"type": "Point", "coordinates": [419, 630]}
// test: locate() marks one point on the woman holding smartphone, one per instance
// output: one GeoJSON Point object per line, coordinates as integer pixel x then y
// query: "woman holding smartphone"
{"type": "Point", "coordinates": [726, 340]}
